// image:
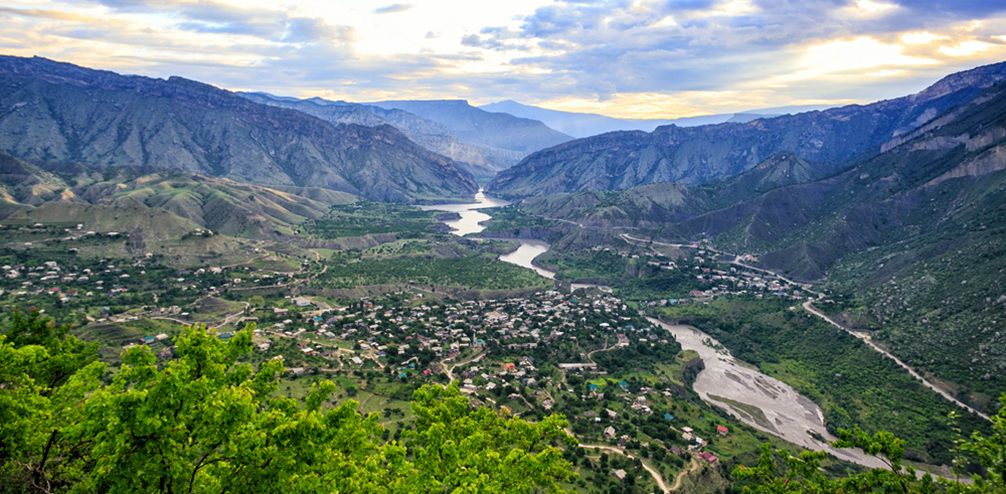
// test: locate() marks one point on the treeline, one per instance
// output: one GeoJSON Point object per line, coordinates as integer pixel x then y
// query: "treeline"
{"type": "Point", "coordinates": [477, 272]}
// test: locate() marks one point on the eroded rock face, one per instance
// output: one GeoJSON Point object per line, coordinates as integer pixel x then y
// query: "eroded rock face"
{"type": "Point", "coordinates": [61, 112]}
{"type": "Point", "coordinates": [694, 155]}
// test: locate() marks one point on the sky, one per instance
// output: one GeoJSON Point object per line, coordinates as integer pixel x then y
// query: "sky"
{"type": "Point", "coordinates": [630, 59]}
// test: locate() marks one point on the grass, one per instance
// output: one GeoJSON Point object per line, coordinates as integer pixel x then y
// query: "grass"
{"type": "Point", "coordinates": [753, 412]}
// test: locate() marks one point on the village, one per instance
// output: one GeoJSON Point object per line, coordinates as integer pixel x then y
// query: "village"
{"type": "Point", "coordinates": [532, 356]}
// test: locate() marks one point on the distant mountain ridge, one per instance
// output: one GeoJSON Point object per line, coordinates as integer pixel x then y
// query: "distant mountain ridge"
{"type": "Point", "coordinates": [582, 125]}
{"type": "Point", "coordinates": [695, 155]}
{"type": "Point", "coordinates": [480, 160]}
{"type": "Point", "coordinates": [912, 237]}
{"type": "Point", "coordinates": [61, 112]}
{"type": "Point", "coordinates": [474, 125]}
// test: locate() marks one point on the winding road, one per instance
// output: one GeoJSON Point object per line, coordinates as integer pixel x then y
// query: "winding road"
{"type": "Point", "coordinates": [808, 306]}
{"type": "Point", "coordinates": [654, 473]}
{"type": "Point", "coordinates": [866, 339]}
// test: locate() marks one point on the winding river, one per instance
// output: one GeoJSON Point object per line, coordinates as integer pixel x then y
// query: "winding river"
{"type": "Point", "coordinates": [469, 223]}
{"type": "Point", "coordinates": [756, 399]}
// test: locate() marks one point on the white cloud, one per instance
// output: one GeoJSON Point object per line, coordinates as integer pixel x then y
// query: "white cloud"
{"type": "Point", "coordinates": [628, 57]}
{"type": "Point", "coordinates": [842, 56]}
{"type": "Point", "coordinates": [922, 38]}
{"type": "Point", "coordinates": [966, 48]}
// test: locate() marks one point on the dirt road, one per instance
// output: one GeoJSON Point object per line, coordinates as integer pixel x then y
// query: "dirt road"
{"type": "Point", "coordinates": [681, 476]}
{"type": "Point", "coordinates": [654, 473]}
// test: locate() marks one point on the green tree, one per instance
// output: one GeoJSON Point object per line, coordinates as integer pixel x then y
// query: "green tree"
{"type": "Point", "coordinates": [460, 449]}
{"type": "Point", "coordinates": [207, 423]}
{"type": "Point", "coordinates": [802, 474]}
{"type": "Point", "coordinates": [44, 373]}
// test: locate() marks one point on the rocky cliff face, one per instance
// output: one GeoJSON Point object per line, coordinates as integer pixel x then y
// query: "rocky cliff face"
{"type": "Point", "coordinates": [481, 160]}
{"type": "Point", "coordinates": [695, 155]}
{"type": "Point", "coordinates": [477, 126]}
{"type": "Point", "coordinates": [60, 112]}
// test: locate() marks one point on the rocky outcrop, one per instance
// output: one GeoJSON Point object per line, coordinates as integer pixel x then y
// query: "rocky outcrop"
{"type": "Point", "coordinates": [61, 112]}
{"type": "Point", "coordinates": [695, 155]}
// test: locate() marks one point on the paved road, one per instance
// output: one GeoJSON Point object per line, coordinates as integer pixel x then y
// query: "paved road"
{"type": "Point", "coordinates": [810, 308]}
{"type": "Point", "coordinates": [866, 338]}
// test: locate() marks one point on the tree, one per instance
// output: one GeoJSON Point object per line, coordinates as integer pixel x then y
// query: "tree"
{"type": "Point", "coordinates": [43, 372]}
{"type": "Point", "coordinates": [802, 474]}
{"type": "Point", "coordinates": [457, 448]}
{"type": "Point", "coordinates": [208, 423]}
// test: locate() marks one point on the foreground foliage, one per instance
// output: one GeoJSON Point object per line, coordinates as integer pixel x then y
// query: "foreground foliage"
{"type": "Point", "coordinates": [802, 474]}
{"type": "Point", "coordinates": [205, 422]}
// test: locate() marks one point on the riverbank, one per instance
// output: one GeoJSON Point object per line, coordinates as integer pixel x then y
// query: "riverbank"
{"type": "Point", "coordinates": [758, 400]}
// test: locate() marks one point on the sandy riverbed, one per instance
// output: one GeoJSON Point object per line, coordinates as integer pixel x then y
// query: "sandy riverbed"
{"type": "Point", "coordinates": [768, 403]}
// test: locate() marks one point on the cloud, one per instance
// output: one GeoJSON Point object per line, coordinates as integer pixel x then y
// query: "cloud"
{"type": "Point", "coordinates": [302, 29]}
{"type": "Point", "coordinates": [664, 58]}
{"type": "Point", "coordinates": [606, 48]}
{"type": "Point", "coordinates": [965, 48]}
{"type": "Point", "coordinates": [393, 8]}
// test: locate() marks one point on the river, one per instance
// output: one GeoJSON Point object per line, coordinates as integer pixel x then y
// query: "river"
{"type": "Point", "coordinates": [469, 223]}
{"type": "Point", "coordinates": [756, 399]}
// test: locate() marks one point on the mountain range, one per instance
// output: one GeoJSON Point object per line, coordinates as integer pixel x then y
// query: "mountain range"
{"type": "Point", "coordinates": [694, 155]}
{"type": "Point", "coordinates": [480, 160]}
{"type": "Point", "coordinates": [588, 124]}
{"type": "Point", "coordinates": [474, 125]}
{"type": "Point", "coordinates": [910, 234]}
{"type": "Point", "coordinates": [61, 112]}
{"type": "Point", "coordinates": [898, 205]}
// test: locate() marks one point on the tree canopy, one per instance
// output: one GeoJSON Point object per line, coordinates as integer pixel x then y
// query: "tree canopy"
{"type": "Point", "coordinates": [802, 474]}
{"type": "Point", "coordinates": [205, 422]}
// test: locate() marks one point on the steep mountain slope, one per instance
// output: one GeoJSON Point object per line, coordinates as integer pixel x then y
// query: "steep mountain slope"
{"type": "Point", "coordinates": [892, 197]}
{"type": "Point", "coordinates": [914, 237]}
{"type": "Point", "coordinates": [481, 161]}
{"type": "Point", "coordinates": [217, 204]}
{"type": "Point", "coordinates": [661, 205]}
{"type": "Point", "coordinates": [911, 241]}
{"type": "Point", "coordinates": [471, 124]}
{"type": "Point", "coordinates": [60, 112]}
{"type": "Point", "coordinates": [695, 155]}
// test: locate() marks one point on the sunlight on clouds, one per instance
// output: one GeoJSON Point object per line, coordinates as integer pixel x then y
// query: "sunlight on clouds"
{"type": "Point", "coordinates": [861, 53]}
{"type": "Point", "coordinates": [866, 9]}
{"type": "Point", "coordinates": [869, 6]}
{"type": "Point", "coordinates": [679, 105]}
{"type": "Point", "coordinates": [666, 22]}
{"type": "Point", "coordinates": [737, 7]}
{"type": "Point", "coordinates": [885, 73]}
{"type": "Point", "coordinates": [921, 38]}
{"type": "Point", "coordinates": [645, 63]}
{"type": "Point", "coordinates": [729, 8]}
{"type": "Point", "coordinates": [965, 49]}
